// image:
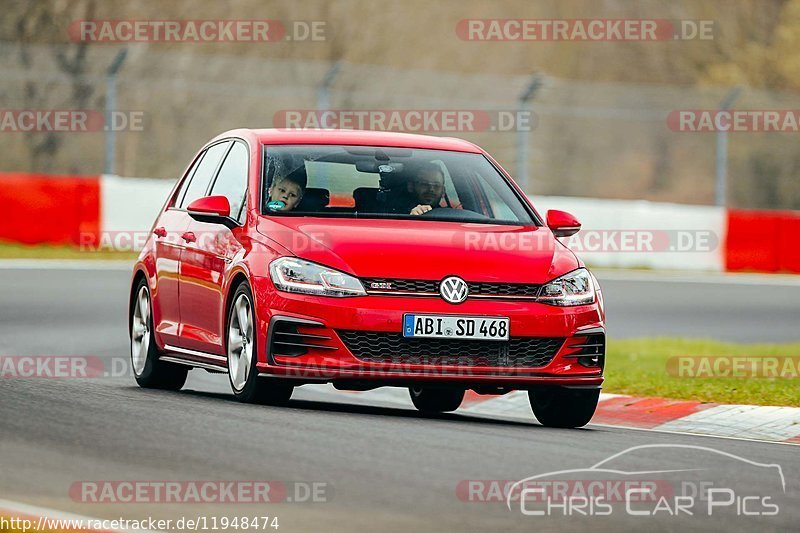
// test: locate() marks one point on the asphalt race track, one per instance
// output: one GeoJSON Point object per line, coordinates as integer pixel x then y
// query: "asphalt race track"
{"type": "Point", "coordinates": [385, 468]}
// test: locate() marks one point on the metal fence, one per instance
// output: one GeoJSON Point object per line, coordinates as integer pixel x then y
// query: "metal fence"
{"type": "Point", "coordinates": [589, 139]}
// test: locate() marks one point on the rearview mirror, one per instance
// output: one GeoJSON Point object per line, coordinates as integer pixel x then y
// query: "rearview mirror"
{"type": "Point", "coordinates": [562, 224]}
{"type": "Point", "coordinates": [374, 167]}
{"type": "Point", "coordinates": [213, 209]}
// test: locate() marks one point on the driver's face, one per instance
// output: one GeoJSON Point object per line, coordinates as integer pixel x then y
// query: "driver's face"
{"type": "Point", "coordinates": [428, 187]}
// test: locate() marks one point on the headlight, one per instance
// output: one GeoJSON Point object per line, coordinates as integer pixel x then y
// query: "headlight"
{"type": "Point", "coordinates": [290, 274]}
{"type": "Point", "coordinates": [575, 288]}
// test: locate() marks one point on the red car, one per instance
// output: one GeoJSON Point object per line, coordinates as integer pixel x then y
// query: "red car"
{"type": "Point", "coordinates": [365, 259]}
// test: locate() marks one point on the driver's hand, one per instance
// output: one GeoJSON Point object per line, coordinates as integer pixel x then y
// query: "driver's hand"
{"type": "Point", "coordinates": [420, 209]}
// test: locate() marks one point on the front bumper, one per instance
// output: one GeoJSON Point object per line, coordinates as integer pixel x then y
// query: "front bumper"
{"type": "Point", "coordinates": [309, 338]}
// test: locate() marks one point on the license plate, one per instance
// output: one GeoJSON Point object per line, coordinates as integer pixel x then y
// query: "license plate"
{"type": "Point", "coordinates": [456, 327]}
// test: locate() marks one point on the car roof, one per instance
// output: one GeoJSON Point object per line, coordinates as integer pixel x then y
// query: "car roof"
{"type": "Point", "coordinates": [273, 136]}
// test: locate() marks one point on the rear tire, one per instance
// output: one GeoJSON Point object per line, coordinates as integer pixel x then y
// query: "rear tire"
{"type": "Point", "coordinates": [563, 408]}
{"type": "Point", "coordinates": [436, 400]}
{"type": "Point", "coordinates": [149, 371]}
{"type": "Point", "coordinates": [242, 348]}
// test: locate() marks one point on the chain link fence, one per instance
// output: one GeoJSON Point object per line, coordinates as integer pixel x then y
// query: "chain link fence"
{"type": "Point", "coordinates": [588, 139]}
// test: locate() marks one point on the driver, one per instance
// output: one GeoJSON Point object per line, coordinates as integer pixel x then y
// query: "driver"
{"type": "Point", "coordinates": [425, 191]}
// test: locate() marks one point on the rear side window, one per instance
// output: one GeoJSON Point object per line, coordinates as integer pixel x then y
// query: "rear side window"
{"type": "Point", "coordinates": [205, 171]}
{"type": "Point", "coordinates": [232, 178]}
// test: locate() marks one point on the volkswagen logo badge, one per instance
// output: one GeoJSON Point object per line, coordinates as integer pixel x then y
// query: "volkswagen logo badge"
{"type": "Point", "coordinates": [453, 289]}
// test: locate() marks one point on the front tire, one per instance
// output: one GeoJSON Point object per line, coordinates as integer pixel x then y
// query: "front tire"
{"type": "Point", "coordinates": [149, 371]}
{"type": "Point", "coordinates": [242, 348]}
{"type": "Point", "coordinates": [436, 400]}
{"type": "Point", "coordinates": [563, 408]}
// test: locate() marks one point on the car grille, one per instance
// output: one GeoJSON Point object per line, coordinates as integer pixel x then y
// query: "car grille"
{"type": "Point", "coordinates": [476, 289]}
{"type": "Point", "coordinates": [504, 289]}
{"type": "Point", "coordinates": [518, 352]}
{"type": "Point", "coordinates": [401, 285]}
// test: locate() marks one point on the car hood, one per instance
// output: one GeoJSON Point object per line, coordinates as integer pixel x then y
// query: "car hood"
{"type": "Point", "coordinates": [410, 249]}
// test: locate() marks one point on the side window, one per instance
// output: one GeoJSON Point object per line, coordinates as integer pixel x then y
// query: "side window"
{"type": "Point", "coordinates": [232, 178]}
{"type": "Point", "coordinates": [182, 191]}
{"type": "Point", "coordinates": [205, 171]}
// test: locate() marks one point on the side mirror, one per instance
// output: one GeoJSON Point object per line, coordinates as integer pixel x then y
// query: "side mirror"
{"type": "Point", "coordinates": [562, 223]}
{"type": "Point", "coordinates": [213, 209]}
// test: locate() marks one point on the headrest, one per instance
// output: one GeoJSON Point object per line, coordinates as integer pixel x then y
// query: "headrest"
{"type": "Point", "coordinates": [314, 199]}
{"type": "Point", "coordinates": [395, 181]}
{"type": "Point", "coordinates": [365, 194]}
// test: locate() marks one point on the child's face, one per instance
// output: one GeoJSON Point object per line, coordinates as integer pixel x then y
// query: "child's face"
{"type": "Point", "coordinates": [287, 192]}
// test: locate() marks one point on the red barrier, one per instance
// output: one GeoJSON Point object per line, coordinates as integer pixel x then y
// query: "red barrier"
{"type": "Point", "coordinates": [789, 251]}
{"type": "Point", "coordinates": [763, 241]}
{"type": "Point", "coordinates": [40, 208]}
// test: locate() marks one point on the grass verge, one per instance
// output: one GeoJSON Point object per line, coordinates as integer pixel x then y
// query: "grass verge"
{"type": "Point", "coordinates": [652, 367]}
{"type": "Point", "coordinates": [10, 250]}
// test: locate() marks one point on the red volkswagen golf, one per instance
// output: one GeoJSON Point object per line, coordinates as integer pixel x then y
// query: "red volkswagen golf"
{"type": "Point", "coordinates": [365, 259]}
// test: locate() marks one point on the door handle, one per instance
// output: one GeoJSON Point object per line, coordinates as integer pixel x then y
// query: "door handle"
{"type": "Point", "coordinates": [189, 237]}
{"type": "Point", "coordinates": [160, 232]}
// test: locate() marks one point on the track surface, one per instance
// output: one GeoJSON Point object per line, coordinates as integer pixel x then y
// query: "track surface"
{"type": "Point", "coordinates": [388, 468]}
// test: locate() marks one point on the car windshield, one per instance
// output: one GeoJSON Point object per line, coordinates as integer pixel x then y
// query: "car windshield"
{"type": "Point", "coordinates": [384, 182]}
